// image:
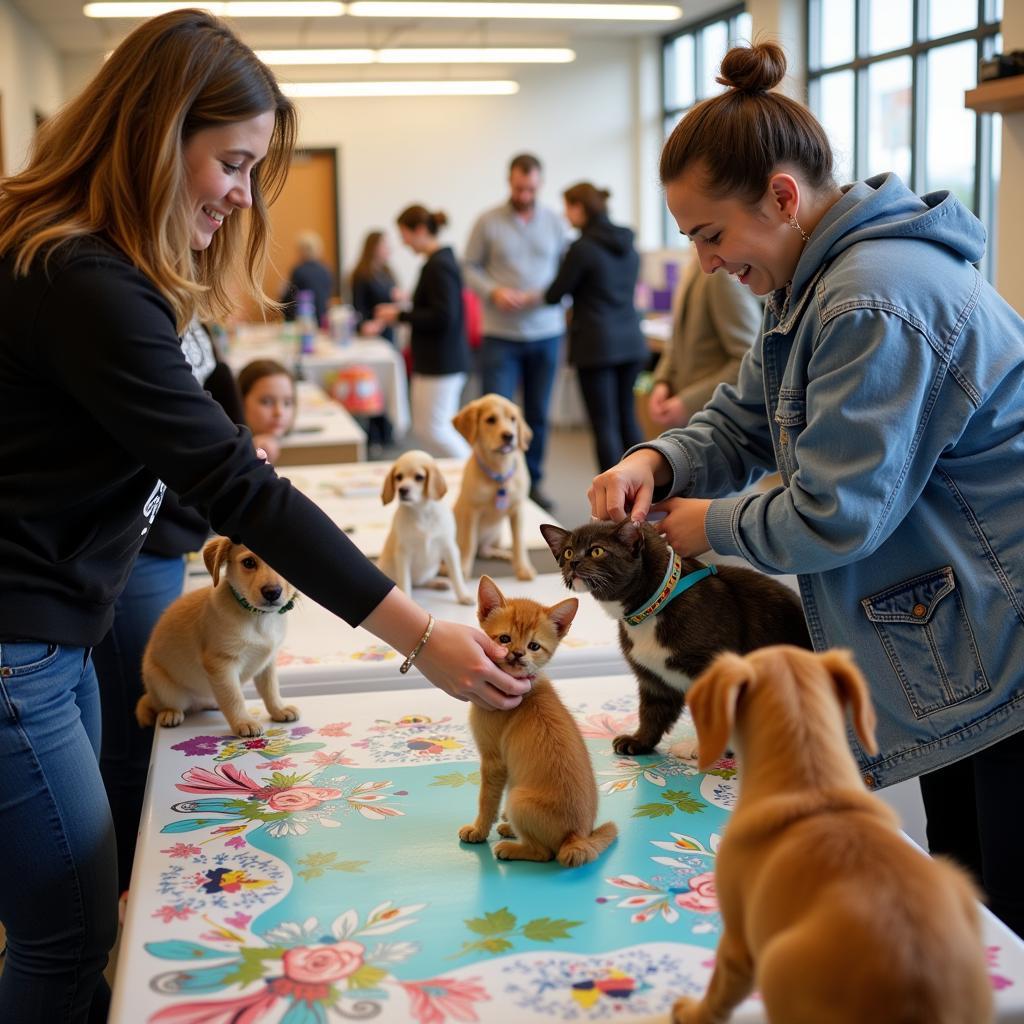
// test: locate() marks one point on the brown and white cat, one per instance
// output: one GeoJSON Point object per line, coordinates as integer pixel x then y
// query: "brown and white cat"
{"type": "Point", "coordinates": [535, 751]}
{"type": "Point", "coordinates": [737, 609]}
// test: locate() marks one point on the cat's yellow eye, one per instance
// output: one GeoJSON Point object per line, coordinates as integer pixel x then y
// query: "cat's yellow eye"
{"type": "Point", "coordinates": [504, 639]}
{"type": "Point", "coordinates": [533, 645]}
{"type": "Point", "coordinates": [596, 551]}
{"type": "Point", "coordinates": [567, 554]}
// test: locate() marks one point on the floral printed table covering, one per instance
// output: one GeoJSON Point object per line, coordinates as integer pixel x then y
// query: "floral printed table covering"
{"type": "Point", "coordinates": [314, 875]}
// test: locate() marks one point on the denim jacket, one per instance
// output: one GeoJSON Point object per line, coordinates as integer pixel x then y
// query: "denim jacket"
{"type": "Point", "coordinates": [888, 390]}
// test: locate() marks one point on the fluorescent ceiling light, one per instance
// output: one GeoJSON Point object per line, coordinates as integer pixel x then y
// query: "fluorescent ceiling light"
{"type": "Point", "coordinates": [226, 9]}
{"type": "Point", "coordinates": [408, 55]}
{"type": "Point", "coordinates": [472, 9]}
{"type": "Point", "coordinates": [442, 88]}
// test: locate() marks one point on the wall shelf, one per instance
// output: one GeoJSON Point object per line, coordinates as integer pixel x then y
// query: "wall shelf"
{"type": "Point", "coordinates": [999, 96]}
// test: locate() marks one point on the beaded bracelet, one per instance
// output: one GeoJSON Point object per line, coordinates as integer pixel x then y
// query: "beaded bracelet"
{"type": "Point", "coordinates": [407, 664]}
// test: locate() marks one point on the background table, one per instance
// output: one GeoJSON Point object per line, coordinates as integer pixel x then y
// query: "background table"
{"type": "Point", "coordinates": [324, 431]}
{"type": "Point", "coordinates": [319, 866]}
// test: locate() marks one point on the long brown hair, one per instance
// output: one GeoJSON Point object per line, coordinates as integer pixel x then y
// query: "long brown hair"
{"type": "Point", "coordinates": [593, 200]}
{"type": "Point", "coordinates": [416, 216]}
{"type": "Point", "coordinates": [111, 163]}
{"type": "Point", "coordinates": [741, 136]}
{"type": "Point", "coordinates": [367, 267]}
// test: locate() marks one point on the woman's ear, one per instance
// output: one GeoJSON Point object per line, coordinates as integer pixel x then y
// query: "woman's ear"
{"type": "Point", "coordinates": [784, 193]}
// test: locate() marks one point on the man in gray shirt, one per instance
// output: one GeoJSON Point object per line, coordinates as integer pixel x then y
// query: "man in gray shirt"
{"type": "Point", "coordinates": [513, 250]}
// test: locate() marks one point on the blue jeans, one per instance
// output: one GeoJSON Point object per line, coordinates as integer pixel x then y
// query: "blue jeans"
{"type": "Point", "coordinates": [58, 877]}
{"type": "Point", "coordinates": [507, 365]}
{"type": "Point", "coordinates": [155, 581]}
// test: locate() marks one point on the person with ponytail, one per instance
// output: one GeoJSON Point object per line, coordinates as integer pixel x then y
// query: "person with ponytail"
{"type": "Point", "coordinates": [599, 272]}
{"type": "Point", "coordinates": [142, 206]}
{"type": "Point", "coordinates": [440, 349]}
{"type": "Point", "coordinates": [887, 388]}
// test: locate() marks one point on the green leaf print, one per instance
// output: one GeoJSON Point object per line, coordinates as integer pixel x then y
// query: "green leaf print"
{"type": "Point", "coordinates": [494, 922]}
{"type": "Point", "coordinates": [545, 929]}
{"type": "Point", "coordinates": [653, 810]}
{"type": "Point", "coordinates": [318, 864]}
{"type": "Point", "coordinates": [456, 779]}
{"type": "Point", "coordinates": [674, 800]}
{"type": "Point", "coordinates": [250, 966]}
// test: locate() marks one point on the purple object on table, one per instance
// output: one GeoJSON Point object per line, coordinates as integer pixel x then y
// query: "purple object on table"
{"type": "Point", "coordinates": [661, 299]}
{"type": "Point", "coordinates": [671, 274]}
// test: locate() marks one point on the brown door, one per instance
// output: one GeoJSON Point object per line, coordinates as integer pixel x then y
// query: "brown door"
{"type": "Point", "coordinates": [308, 202]}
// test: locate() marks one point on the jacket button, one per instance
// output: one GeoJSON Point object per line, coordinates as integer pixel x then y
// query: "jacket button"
{"type": "Point", "coordinates": [920, 611]}
{"type": "Point", "coordinates": [869, 780]}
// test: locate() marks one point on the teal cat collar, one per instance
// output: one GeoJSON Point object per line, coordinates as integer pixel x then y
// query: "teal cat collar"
{"type": "Point", "coordinates": [501, 494]}
{"type": "Point", "coordinates": [671, 587]}
{"type": "Point", "coordinates": [260, 611]}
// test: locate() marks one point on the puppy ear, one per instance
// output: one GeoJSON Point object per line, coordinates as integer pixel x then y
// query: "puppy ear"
{"type": "Point", "coordinates": [562, 614]}
{"type": "Point", "coordinates": [852, 689]}
{"type": "Point", "coordinates": [436, 487]}
{"type": "Point", "coordinates": [632, 535]}
{"type": "Point", "coordinates": [712, 702]}
{"type": "Point", "coordinates": [465, 420]}
{"type": "Point", "coordinates": [387, 492]}
{"type": "Point", "coordinates": [215, 554]}
{"type": "Point", "coordinates": [555, 537]}
{"type": "Point", "coordinates": [525, 433]}
{"type": "Point", "coordinates": [488, 597]}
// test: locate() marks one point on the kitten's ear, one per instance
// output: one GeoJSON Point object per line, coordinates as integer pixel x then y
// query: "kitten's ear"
{"type": "Point", "coordinates": [488, 597]}
{"type": "Point", "coordinates": [555, 537]}
{"type": "Point", "coordinates": [562, 614]}
{"type": "Point", "coordinates": [632, 535]}
{"type": "Point", "coordinates": [712, 702]}
{"type": "Point", "coordinates": [852, 689]}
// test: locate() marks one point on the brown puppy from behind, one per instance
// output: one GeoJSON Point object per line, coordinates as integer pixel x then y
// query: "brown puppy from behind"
{"type": "Point", "coordinates": [210, 641]}
{"type": "Point", "coordinates": [495, 481]}
{"type": "Point", "coordinates": [826, 907]}
{"type": "Point", "coordinates": [535, 750]}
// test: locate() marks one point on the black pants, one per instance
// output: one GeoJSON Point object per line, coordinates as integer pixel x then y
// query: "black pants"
{"type": "Point", "coordinates": [975, 811]}
{"type": "Point", "coordinates": [608, 396]}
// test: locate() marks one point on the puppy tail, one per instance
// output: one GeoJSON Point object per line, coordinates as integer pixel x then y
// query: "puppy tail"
{"type": "Point", "coordinates": [578, 850]}
{"type": "Point", "coordinates": [145, 711]}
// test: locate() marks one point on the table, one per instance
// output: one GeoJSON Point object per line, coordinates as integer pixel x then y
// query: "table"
{"type": "Point", "coordinates": [269, 341]}
{"type": "Point", "coordinates": [324, 431]}
{"type": "Point", "coordinates": [319, 866]}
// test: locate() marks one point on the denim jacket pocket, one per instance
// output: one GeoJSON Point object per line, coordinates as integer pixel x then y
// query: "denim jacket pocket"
{"type": "Point", "coordinates": [923, 626]}
{"type": "Point", "coordinates": [791, 417]}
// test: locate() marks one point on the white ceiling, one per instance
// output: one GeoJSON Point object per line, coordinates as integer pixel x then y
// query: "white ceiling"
{"type": "Point", "coordinates": [64, 25]}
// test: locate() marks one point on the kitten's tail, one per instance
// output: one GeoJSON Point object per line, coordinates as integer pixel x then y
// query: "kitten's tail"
{"type": "Point", "coordinates": [145, 712]}
{"type": "Point", "coordinates": [577, 850]}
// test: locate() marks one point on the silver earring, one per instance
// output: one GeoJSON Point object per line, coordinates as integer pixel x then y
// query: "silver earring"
{"type": "Point", "coordinates": [794, 223]}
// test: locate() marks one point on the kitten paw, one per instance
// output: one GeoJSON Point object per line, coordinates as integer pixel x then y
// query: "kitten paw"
{"type": "Point", "coordinates": [687, 1010]}
{"type": "Point", "coordinates": [287, 713]}
{"type": "Point", "coordinates": [525, 572]}
{"type": "Point", "coordinates": [630, 745]}
{"type": "Point", "coordinates": [472, 834]}
{"type": "Point", "coordinates": [247, 727]}
{"type": "Point", "coordinates": [685, 750]}
{"type": "Point", "coordinates": [505, 831]}
{"type": "Point", "coordinates": [170, 717]}
{"type": "Point", "coordinates": [493, 551]}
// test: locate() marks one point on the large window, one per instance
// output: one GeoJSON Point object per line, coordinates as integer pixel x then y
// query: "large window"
{"type": "Point", "coordinates": [887, 80]}
{"type": "Point", "coordinates": [690, 65]}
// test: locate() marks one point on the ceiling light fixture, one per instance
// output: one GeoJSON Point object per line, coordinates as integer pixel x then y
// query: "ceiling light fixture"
{"type": "Point", "coordinates": [409, 55]}
{"type": "Point", "coordinates": [305, 90]}
{"type": "Point", "coordinates": [226, 9]}
{"type": "Point", "coordinates": [472, 9]}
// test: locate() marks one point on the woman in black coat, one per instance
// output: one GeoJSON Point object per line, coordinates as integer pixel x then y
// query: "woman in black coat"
{"type": "Point", "coordinates": [606, 346]}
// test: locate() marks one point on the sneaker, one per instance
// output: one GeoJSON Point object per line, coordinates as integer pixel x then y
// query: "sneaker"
{"type": "Point", "coordinates": [538, 496]}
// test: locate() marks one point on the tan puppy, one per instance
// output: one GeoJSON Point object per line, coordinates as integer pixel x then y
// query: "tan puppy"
{"type": "Point", "coordinates": [827, 909]}
{"type": "Point", "coordinates": [207, 643]}
{"type": "Point", "coordinates": [495, 481]}
{"type": "Point", "coordinates": [422, 533]}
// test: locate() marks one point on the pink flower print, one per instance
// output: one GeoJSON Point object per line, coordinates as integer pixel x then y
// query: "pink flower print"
{"type": "Point", "coordinates": [239, 920]}
{"type": "Point", "coordinates": [335, 729]}
{"type": "Point", "coordinates": [317, 965]}
{"type": "Point", "coordinates": [432, 1001]}
{"type": "Point", "coordinates": [280, 764]}
{"type": "Point", "coordinates": [301, 798]}
{"type": "Point", "coordinates": [606, 726]}
{"type": "Point", "coordinates": [702, 896]}
{"type": "Point", "coordinates": [238, 842]}
{"type": "Point", "coordinates": [167, 913]}
{"type": "Point", "coordinates": [322, 760]}
{"type": "Point", "coordinates": [182, 850]}
{"type": "Point", "coordinates": [219, 1011]}
{"type": "Point", "coordinates": [225, 778]}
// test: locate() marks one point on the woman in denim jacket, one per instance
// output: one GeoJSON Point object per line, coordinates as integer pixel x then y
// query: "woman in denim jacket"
{"type": "Point", "coordinates": [888, 390]}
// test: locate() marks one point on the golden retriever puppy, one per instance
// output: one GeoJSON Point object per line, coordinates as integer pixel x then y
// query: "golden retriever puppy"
{"type": "Point", "coordinates": [827, 909]}
{"type": "Point", "coordinates": [210, 641]}
{"type": "Point", "coordinates": [422, 533]}
{"type": "Point", "coordinates": [495, 481]}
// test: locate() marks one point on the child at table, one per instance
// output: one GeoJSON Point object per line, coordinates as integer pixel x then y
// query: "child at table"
{"type": "Point", "coordinates": [268, 403]}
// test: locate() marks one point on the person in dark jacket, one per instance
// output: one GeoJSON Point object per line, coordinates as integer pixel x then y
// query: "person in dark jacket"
{"type": "Point", "coordinates": [310, 274]}
{"type": "Point", "coordinates": [373, 284]}
{"type": "Point", "coordinates": [606, 346]}
{"type": "Point", "coordinates": [440, 351]}
{"type": "Point", "coordinates": [143, 204]}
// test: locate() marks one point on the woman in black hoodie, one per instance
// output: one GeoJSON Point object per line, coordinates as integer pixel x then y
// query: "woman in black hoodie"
{"type": "Point", "coordinates": [599, 271]}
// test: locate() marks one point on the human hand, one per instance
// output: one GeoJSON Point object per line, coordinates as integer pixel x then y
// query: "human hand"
{"type": "Point", "coordinates": [460, 661]}
{"type": "Point", "coordinates": [269, 445]}
{"type": "Point", "coordinates": [672, 413]}
{"type": "Point", "coordinates": [660, 394]}
{"type": "Point", "coordinates": [508, 299]}
{"type": "Point", "coordinates": [370, 328]}
{"type": "Point", "coordinates": [683, 525]}
{"type": "Point", "coordinates": [399, 294]}
{"type": "Point", "coordinates": [386, 313]}
{"type": "Point", "coordinates": [627, 488]}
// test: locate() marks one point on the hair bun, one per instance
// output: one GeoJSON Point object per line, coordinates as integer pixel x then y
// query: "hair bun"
{"type": "Point", "coordinates": [440, 218]}
{"type": "Point", "coordinates": [753, 69]}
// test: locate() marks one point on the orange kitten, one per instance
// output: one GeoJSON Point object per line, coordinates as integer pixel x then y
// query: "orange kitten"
{"type": "Point", "coordinates": [535, 749]}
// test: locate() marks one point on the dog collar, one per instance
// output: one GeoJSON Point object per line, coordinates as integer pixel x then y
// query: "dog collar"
{"type": "Point", "coordinates": [260, 611]}
{"type": "Point", "coordinates": [671, 587]}
{"type": "Point", "coordinates": [501, 495]}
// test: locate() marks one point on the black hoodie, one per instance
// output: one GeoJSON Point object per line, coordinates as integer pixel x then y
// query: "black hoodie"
{"type": "Point", "coordinates": [599, 271]}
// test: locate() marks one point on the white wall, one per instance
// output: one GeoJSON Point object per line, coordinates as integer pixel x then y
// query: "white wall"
{"type": "Point", "coordinates": [1010, 259]}
{"type": "Point", "coordinates": [30, 81]}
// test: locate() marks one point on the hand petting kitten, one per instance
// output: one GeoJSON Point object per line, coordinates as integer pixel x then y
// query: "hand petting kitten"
{"type": "Point", "coordinates": [683, 524]}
